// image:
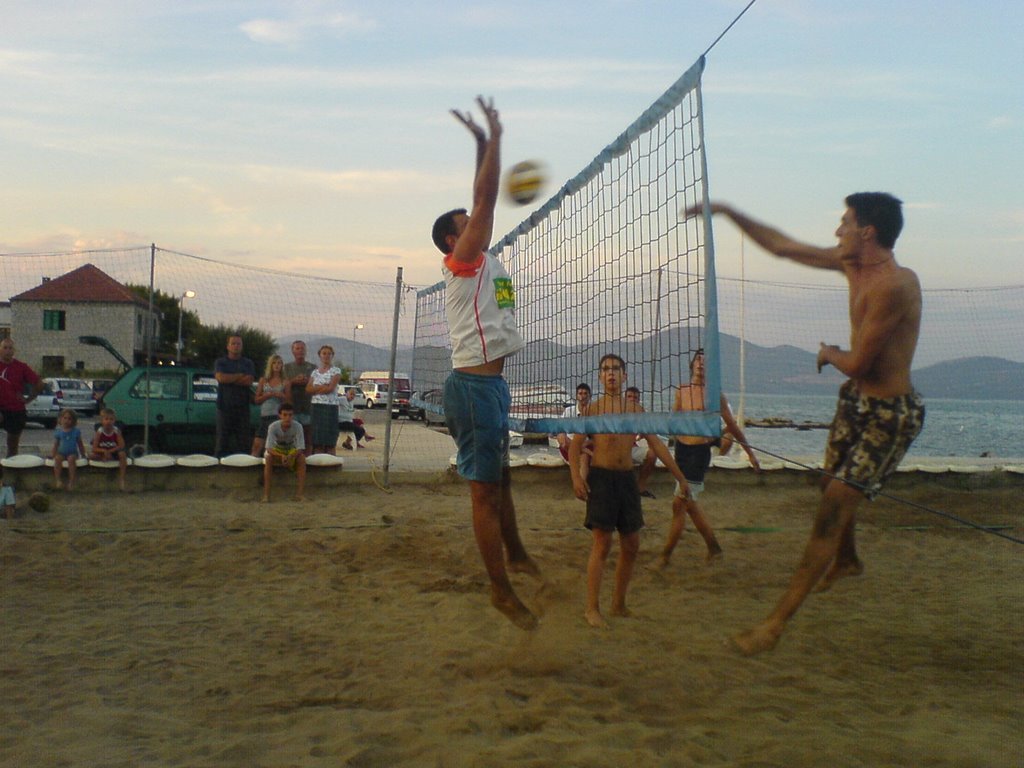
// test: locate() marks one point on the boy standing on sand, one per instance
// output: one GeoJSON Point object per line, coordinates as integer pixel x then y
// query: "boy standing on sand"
{"type": "Point", "coordinates": [611, 491]}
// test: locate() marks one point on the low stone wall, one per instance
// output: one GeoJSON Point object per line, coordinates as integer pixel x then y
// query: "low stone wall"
{"type": "Point", "coordinates": [222, 478]}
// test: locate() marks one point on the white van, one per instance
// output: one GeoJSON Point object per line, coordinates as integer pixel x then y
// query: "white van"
{"type": "Point", "coordinates": [375, 386]}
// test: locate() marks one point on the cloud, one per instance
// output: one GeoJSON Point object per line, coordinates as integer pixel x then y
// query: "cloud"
{"type": "Point", "coordinates": [1001, 123]}
{"type": "Point", "coordinates": [73, 239]}
{"type": "Point", "coordinates": [304, 26]}
{"type": "Point", "coordinates": [232, 220]}
{"type": "Point", "coordinates": [35, 64]}
{"type": "Point", "coordinates": [364, 180]}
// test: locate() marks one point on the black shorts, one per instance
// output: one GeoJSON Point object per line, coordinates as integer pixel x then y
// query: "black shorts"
{"type": "Point", "coordinates": [13, 422]}
{"type": "Point", "coordinates": [693, 460]}
{"type": "Point", "coordinates": [614, 501]}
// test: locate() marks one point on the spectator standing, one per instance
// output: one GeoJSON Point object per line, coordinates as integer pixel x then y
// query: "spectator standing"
{"type": "Point", "coordinates": [323, 387]}
{"type": "Point", "coordinates": [235, 375]}
{"type": "Point", "coordinates": [297, 373]}
{"type": "Point", "coordinates": [271, 391]}
{"type": "Point", "coordinates": [15, 378]}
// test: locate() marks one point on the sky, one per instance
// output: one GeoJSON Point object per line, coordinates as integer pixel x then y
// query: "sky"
{"type": "Point", "coordinates": [314, 136]}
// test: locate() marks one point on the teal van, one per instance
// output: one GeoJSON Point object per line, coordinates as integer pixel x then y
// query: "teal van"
{"type": "Point", "coordinates": [182, 409]}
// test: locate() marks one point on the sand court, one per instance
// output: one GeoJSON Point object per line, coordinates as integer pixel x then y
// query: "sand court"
{"type": "Point", "coordinates": [355, 629]}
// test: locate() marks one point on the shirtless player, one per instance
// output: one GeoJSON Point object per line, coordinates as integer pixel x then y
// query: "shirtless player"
{"type": "Point", "coordinates": [693, 455]}
{"type": "Point", "coordinates": [879, 413]}
{"type": "Point", "coordinates": [611, 492]}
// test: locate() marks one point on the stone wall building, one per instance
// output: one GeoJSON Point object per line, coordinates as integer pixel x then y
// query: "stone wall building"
{"type": "Point", "coordinates": [46, 322]}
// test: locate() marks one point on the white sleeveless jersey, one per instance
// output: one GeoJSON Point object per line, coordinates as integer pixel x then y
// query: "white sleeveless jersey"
{"type": "Point", "coordinates": [480, 302]}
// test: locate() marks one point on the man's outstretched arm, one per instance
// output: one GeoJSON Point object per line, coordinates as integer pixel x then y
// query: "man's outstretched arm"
{"type": "Point", "coordinates": [773, 240]}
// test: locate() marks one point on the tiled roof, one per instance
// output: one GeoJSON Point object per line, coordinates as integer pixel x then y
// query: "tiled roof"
{"type": "Point", "coordinates": [88, 283]}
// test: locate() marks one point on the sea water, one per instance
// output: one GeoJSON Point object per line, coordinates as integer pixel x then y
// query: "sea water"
{"type": "Point", "coordinates": [960, 428]}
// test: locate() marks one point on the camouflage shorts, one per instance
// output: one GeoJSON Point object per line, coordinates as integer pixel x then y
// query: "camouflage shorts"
{"type": "Point", "coordinates": [870, 436]}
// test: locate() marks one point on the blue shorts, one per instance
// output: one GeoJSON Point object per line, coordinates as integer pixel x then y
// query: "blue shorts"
{"type": "Point", "coordinates": [476, 411]}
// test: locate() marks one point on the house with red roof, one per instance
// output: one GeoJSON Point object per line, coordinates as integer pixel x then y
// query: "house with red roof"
{"type": "Point", "coordinates": [47, 320]}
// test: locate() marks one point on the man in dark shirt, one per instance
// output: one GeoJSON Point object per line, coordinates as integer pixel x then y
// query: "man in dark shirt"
{"type": "Point", "coordinates": [234, 375]}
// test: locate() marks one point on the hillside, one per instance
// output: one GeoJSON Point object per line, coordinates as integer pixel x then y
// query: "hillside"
{"type": "Point", "coordinates": [783, 369]}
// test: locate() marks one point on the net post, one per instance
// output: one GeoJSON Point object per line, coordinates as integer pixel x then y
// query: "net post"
{"type": "Point", "coordinates": [391, 375]}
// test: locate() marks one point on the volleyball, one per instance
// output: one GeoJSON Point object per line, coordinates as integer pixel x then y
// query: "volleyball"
{"type": "Point", "coordinates": [524, 182]}
{"type": "Point", "coordinates": [39, 502]}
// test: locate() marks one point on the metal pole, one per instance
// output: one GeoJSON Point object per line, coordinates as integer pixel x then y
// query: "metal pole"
{"type": "Point", "coordinates": [181, 312]}
{"type": "Point", "coordinates": [356, 327]}
{"type": "Point", "coordinates": [149, 346]}
{"type": "Point", "coordinates": [391, 375]}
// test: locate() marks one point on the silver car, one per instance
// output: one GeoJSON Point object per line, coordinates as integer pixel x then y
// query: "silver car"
{"type": "Point", "coordinates": [45, 408]}
{"type": "Point", "coordinates": [73, 393]}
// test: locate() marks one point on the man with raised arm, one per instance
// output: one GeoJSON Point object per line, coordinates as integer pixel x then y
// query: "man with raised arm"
{"type": "Point", "coordinates": [879, 413]}
{"type": "Point", "coordinates": [480, 303]}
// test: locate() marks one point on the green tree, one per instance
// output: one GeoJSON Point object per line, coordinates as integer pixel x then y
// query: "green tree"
{"type": "Point", "coordinates": [169, 307]}
{"type": "Point", "coordinates": [211, 342]}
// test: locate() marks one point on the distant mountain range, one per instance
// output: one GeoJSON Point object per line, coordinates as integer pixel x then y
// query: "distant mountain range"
{"type": "Point", "coordinates": [769, 370]}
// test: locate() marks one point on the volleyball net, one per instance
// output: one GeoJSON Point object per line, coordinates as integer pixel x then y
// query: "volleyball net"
{"type": "Point", "coordinates": [608, 265]}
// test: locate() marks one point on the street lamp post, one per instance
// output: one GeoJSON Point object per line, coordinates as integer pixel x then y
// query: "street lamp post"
{"type": "Point", "coordinates": [181, 311]}
{"type": "Point", "coordinates": [356, 327]}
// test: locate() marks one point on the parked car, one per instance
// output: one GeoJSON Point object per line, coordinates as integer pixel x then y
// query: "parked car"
{"type": "Point", "coordinates": [45, 408]}
{"type": "Point", "coordinates": [359, 401]}
{"type": "Point", "coordinates": [74, 394]}
{"type": "Point", "coordinates": [182, 409]}
{"type": "Point", "coordinates": [375, 386]}
{"type": "Point", "coordinates": [433, 413]}
{"type": "Point", "coordinates": [99, 386]}
{"type": "Point", "coordinates": [400, 405]}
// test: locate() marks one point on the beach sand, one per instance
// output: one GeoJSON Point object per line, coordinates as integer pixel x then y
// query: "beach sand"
{"type": "Point", "coordinates": [171, 629]}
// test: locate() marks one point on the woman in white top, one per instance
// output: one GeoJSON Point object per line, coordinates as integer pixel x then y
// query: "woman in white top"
{"type": "Point", "coordinates": [323, 386]}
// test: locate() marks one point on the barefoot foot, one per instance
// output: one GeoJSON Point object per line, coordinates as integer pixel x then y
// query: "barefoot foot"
{"type": "Point", "coordinates": [763, 637]}
{"type": "Point", "coordinates": [622, 611]}
{"type": "Point", "coordinates": [713, 556]}
{"type": "Point", "coordinates": [515, 611]}
{"type": "Point", "coordinates": [595, 619]}
{"type": "Point", "coordinates": [839, 571]}
{"type": "Point", "coordinates": [526, 566]}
